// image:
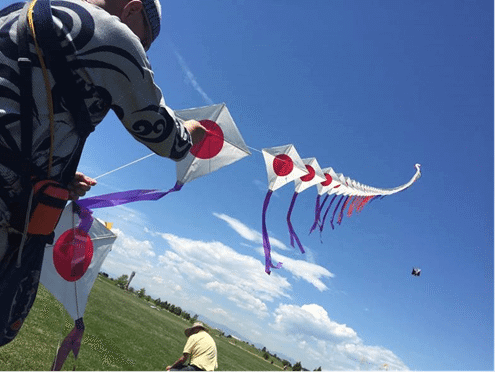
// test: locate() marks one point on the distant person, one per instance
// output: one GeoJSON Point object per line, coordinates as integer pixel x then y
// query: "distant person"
{"type": "Point", "coordinates": [200, 347]}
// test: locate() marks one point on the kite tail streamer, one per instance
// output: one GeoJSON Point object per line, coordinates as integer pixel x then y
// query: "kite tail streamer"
{"type": "Point", "coordinates": [71, 342]}
{"type": "Point", "coordinates": [325, 215]}
{"type": "Point", "coordinates": [266, 240]}
{"type": "Point", "coordinates": [334, 211]}
{"type": "Point", "coordinates": [124, 197]}
{"type": "Point", "coordinates": [86, 218]}
{"type": "Point", "coordinates": [365, 201]}
{"type": "Point", "coordinates": [317, 216]}
{"type": "Point", "coordinates": [341, 214]}
{"type": "Point", "coordinates": [293, 235]}
{"type": "Point", "coordinates": [318, 209]}
{"type": "Point", "coordinates": [353, 205]}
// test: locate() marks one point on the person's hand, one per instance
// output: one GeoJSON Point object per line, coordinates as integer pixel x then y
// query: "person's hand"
{"type": "Point", "coordinates": [196, 130]}
{"type": "Point", "coordinates": [168, 368]}
{"type": "Point", "coordinates": [80, 185]}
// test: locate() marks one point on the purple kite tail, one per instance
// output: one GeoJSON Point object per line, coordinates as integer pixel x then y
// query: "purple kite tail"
{"type": "Point", "coordinates": [266, 240]}
{"type": "Point", "coordinates": [292, 233]}
{"type": "Point", "coordinates": [326, 213]}
{"type": "Point", "coordinates": [334, 211]}
{"type": "Point", "coordinates": [341, 214]}
{"type": "Point", "coordinates": [71, 342]}
{"type": "Point", "coordinates": [317, 215]}
{"type": "Point", "coordinates": [86, 218]}
{"type": "Point", "coordinates": [318, 209]}
{"type": "Point", "coordinates": [124, 197]}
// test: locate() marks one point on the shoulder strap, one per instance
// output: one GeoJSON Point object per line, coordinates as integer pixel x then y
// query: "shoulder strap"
{"type": "Point", "coordinates": [50, 43]}
{"type": "Point", "coordinates": [26, 90]}
{"type": "Point", "coordinates": [59, 67]}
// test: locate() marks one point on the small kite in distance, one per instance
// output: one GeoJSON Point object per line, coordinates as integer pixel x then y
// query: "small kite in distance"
{"type": "Point", "coordinates": [416, 271]}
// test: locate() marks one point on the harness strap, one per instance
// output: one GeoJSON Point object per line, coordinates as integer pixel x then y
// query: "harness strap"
{"type": "Point", "coordinates": [55, 57]}
{"type": "Point", "coordinates": [26, 90]}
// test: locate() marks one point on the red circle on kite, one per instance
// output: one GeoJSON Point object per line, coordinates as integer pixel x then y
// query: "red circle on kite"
{"type": "Point", "coordinates": [211, 145]}
{"type": "Point", "coordinates": [72, 254]}
{"type": "Point", "coordinates": [282, 165]}
{"type": "Point", "coordinates": [310, 175]}
{"type": "Point", "coordinates": [328, 180]}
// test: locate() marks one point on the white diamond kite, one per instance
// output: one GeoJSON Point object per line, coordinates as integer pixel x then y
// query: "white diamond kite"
{"type": "Point", "coordinates": [222, 145]}
{"type": "Point", "coordinates": [283, 165]}
{"type": "Point", "coordinates": [70, 267]}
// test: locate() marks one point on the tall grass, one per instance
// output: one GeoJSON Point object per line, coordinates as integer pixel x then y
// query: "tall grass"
{"type": "Point", "coordinates": [122, 332]}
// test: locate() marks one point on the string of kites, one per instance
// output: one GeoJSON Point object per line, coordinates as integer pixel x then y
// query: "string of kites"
{"type": "Point", "coordinates": [224, 145]}
{"type": "Point", "coordinates": [81, 243]}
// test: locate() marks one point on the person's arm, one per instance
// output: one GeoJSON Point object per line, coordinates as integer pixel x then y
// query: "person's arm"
{"type": "Point", "coordinates": [115, 63]}
{"type": "Point", "coordinates": [179, 361]}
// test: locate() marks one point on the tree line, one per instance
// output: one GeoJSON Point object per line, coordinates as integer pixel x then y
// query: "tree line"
{"type": "Point", "coordinates": [122, 282]}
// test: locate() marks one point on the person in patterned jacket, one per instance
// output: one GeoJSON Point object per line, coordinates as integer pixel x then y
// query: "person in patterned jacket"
{"type": "Point", "coordinates": [104, 43]}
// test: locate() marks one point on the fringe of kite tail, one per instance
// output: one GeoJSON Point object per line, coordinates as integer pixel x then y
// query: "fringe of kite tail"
{"type": "Point", "coordinates": [341, 214]}
{"type": "Point", "coordinates": [335, 211]}
{"type": "Point", "coordinates": [353, 205]}
{"type": "Point", "coordinates": [71, 342]}
{"type": "Point", "coordinates": [85, 216]}
{"type": "Point", "coordinates": [318, 209]}
{"type": "Point", "coordinates": [292, 233]}
{"type": "Point", "coordinates": [325, 217]}
{"type": "Point", "coordinates": [365, 201]}
{"type": "Point", "coordinates": [326, 213]}
{"type": "Point", "coordinates": [266, 240]}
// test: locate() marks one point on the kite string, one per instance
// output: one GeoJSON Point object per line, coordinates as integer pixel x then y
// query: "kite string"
{"type": "Point", "coordinates": [126, 165]}
{"type": "Point", "coordinates": [151, 154]}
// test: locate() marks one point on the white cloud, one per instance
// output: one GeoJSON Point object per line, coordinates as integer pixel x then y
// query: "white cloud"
{"type": "Point", "coordinates": [247, 232]}
{"type": "Point", "coordinates": [220, 269]}
{"type": "Point", "coordinates": [129, 246]}
{"type": "Point", "coordinates": [310, 272]}
{"type": "Point", "coordinates": [336, 346]}
{"type": "Point", "coordinates": [311, 320]}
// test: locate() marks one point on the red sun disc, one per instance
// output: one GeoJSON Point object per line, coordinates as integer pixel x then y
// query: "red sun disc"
{"type": "Point", "coordinates": [282, 165]}
{"type": "Point", "coordinates": [328, 180]}
{"type": "Point", "coordinates": [212, 144]}
{"type": "Point", "coordinates": [310, 175]}
{"type": "Point", "coordinates": [72, 254]}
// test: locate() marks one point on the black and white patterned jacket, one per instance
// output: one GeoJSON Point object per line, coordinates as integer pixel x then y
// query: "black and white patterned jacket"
{"type": "Point", "coordinates": [112, 68]}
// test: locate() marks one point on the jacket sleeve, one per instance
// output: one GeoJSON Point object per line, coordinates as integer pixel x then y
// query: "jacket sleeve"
{"type": "Point", "coordinates": [114, 61]}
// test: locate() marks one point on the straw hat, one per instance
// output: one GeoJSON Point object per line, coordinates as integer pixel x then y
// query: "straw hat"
{"type": "Point", "coordinates": [196, 325]}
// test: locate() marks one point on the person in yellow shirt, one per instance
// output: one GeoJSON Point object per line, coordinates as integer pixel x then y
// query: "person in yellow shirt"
{"type": "Point", "coordinates": [200, 347]}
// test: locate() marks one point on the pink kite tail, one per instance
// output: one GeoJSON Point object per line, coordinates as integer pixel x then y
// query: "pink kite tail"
{"type": "Point", "coordinates": [367, 200]}
{"type": "Point", "coordinates": [71, 342]}
{"type": "Point", "coordinates": [293, 235]}
{"type": "Point", "coordinates": [354, 203]}
{"type": "Point", "coordinates": [341, 214]}
{"type": "Point", "coordinates": [318, 209]}
{"type": "Point", "coordinates": [363, 203]}
{"type": "Point", "coordinates": [266, 240]}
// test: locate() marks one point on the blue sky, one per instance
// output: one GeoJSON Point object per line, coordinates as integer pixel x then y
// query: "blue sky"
{"type": "Point", "coordinates": [369, 88]}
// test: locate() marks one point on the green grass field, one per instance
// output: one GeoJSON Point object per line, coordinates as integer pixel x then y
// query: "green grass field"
{"type": "Point", "coordinates": [122, 332]}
